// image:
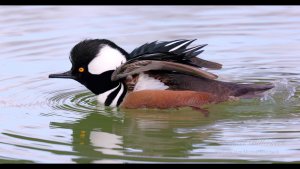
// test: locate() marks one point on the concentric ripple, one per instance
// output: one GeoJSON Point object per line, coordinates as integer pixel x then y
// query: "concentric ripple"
{"type": "Point", "coordinates": [77, 100]}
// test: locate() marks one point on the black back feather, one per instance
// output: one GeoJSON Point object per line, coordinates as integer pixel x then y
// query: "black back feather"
{"type": "Point", "coordinates": [175, 51]}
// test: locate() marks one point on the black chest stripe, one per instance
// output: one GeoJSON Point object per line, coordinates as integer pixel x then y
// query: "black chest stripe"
{"type": "Point", "coordinates": [112, 96]}
{"type": "Point", "coordinates": [122, 96]}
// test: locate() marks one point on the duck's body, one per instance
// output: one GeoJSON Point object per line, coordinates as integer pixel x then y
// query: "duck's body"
{"type": "Point", "coordinates": [156, 75]}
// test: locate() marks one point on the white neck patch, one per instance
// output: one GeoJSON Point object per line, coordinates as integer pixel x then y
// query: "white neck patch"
{"type": "Point", "coordinates": [107, 59]}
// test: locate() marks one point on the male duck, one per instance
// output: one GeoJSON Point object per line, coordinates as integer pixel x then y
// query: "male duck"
{"type": "Point", "coordinates": [160, 74]}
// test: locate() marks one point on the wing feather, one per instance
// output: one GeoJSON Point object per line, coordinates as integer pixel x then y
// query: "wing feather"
{"type": "Point", "coordinates": [137, 67]}
{"type": "Point", "coordinates": [173, 51]}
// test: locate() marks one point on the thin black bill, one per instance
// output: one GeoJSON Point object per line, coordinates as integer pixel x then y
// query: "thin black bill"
{"type": "Point", "coordinates": [65, 75]}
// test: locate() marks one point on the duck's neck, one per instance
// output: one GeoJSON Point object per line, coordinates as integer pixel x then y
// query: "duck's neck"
{"type": "Point", "coordinates": [114, 96]}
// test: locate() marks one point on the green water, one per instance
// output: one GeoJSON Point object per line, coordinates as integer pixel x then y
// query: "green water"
{"type": "Point", "coordinates": [58, 121]}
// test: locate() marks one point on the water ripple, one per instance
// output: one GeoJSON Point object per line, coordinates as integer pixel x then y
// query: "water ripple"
{"type": "Point", "coordinates": [282, 93]}
{"type": "Point", "coordinates": [78, 101]}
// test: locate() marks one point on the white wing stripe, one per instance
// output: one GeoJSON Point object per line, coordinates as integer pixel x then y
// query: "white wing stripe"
{"type": "Point", "coordinates": [190, 49]}
{"type": "Point", "coordinates": [173, 42]}
{"type": "Point", "coordinates": [178, 46]}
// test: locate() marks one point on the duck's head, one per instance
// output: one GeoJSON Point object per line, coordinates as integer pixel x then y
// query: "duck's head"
{"type": "Point", "coordinates": [93, 62]}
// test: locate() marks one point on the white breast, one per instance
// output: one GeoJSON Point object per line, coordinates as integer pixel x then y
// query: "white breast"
{"type": "Point", "coordinates": [115, 101]}
{"type": "Point", "coordinates": [101, 98]}
{"type": "Point", "coordinates": [145, 82]}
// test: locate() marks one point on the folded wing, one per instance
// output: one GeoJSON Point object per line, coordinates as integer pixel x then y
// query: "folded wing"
{"type": "Point", "coordinates": [136, 67]}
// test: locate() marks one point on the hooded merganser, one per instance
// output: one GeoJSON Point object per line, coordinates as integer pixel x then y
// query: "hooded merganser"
{"type": "Point", "coordinates": [160, 74]}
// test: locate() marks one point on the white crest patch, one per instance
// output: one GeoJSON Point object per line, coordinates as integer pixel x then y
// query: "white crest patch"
{"type": "Point", "coordinates": [145, 82]}
{"type": "Point", "coordinates": [107, 59]}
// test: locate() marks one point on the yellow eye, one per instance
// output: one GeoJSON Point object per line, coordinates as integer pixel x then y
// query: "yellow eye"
{"type": "Point", "coordinates": [81, 69]}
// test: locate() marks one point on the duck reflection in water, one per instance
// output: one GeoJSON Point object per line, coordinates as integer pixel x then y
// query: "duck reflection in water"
{"type": "Point", "coordinates": [135, 132]}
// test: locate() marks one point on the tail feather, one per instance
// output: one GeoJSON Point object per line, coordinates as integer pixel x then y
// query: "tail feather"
{"type": "Point", "coordinates": [251, 90]}
{"type": "Point", "coordinates": [177, 81]}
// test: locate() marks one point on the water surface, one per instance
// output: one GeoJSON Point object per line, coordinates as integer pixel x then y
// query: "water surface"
{"type": "Point", "coordinates": [59, 121]}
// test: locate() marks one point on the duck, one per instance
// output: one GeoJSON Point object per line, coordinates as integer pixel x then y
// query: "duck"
{"type": "Point", "coordinates": [159, 74]}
